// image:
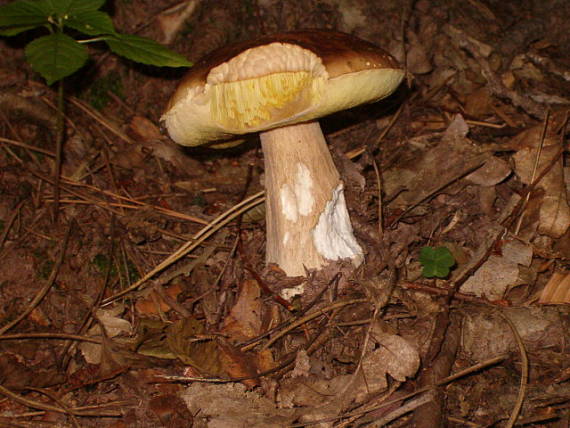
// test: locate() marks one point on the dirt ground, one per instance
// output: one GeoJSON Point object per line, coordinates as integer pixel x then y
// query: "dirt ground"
{"type": "Point", "coordinates": [139, 296]}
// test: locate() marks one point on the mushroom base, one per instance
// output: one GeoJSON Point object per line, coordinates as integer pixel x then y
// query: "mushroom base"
{"type": "Point", "coordinates": [307, 219]}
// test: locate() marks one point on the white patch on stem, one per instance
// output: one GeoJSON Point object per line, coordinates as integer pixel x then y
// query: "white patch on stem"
{"type": "Point", "coordinates": [288, 203]}
{"type": "Point", "coordinates": [298, 200]}
{"type": "Point", "coordinates": [303, 189]}
{"type": "Point", "coordinates": [332, 236]}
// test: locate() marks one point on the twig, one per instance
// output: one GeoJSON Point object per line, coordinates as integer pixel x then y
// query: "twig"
{"type": "Point", "coordinates": [524, 372]}
{"type": "Point", "coordinates": [534, 169]}
{"type": "Point", "coordinates": [309, 317]}
{"type": "Point", "coordinates": [27, 147]}
{"type": "Point", "coordinates": [42, 293]}
{"type": "Point", "coordinates": [9, 224]}
{"type": "Point", "coordinates": [78, 411]}
{"type": "Point", "coordinates": [58, 336]}
{"type": "Point", "coordinates": [198, 238]}
{"type": "Point", "coordinates": [444, 381]}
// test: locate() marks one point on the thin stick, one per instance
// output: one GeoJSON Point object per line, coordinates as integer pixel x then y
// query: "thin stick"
{"type": "Point", "coordinates": [27, 147]}
{"type": "Point", "coordinates": [534, 169]}
{"type": "Point", "coordinates": [57, 336]}
{"type": "Point", "coordinates": [42, 293]}
{"type": "Point", "coordinates": [380, 205]}
{"type": "Point", "coordinates": [524, 372]}
{"type": "Point", "coordinates": [444, 381]}
{"type": "Point", "coordinates": [9, 224]}
{"type": "Point", "coordinates": [198, 238]}
{"type": "Point", "coordinates": [60, 136]}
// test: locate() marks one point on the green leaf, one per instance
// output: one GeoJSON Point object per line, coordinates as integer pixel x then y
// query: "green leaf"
{"type": "Point", "coordinates": [145, 51]}
{"type": "Point", "coordinates": [436, 262]}
{"type": "Point", "coordinates": [21, 16]}
{"type": "Point", "coordinates": [91, 22]}
{"type": "Point", "coordinates": [66, 7]}
{"type": "Point", "coordinates": [56, 56]}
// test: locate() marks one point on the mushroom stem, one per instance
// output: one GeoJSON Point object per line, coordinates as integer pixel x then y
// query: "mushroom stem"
{"type": "Point", "coordinates": [307, 218]}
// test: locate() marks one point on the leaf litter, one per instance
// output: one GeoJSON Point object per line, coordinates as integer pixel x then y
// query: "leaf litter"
{"type": "Point", "coordinates": [159, 310]}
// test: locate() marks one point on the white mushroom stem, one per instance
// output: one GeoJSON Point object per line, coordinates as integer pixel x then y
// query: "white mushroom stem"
{"type": "Point", "coordinates": [307, 219]}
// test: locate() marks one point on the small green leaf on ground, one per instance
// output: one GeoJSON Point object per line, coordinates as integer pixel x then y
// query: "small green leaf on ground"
{"type": "Point", "coordinates": [436, 262]}
{"type": "Point", "coordinates": [145, 51]}
{"type": "Point", "coordinates": [56, 56]}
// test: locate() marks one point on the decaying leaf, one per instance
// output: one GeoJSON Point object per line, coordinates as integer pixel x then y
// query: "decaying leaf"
{"type": "Point", "coordinates": [441, 165]}
{"type": "Point", "coordinates": [396, 357]}
{"type": "Point", "coordinates": [231, 405]}
{"type": "Point", "coordinates": [557, 289]}
{"type": "Point", "coordinates": [500, 272]}
{"type": "Point", "coordinates": [188, 342]}
{"type": "Point", "coordinates": [244, 320]}
{"type": "Point", "coordinates": [531, 160]}
{"type": "Point", "coordinates": [486, 334]}
{"type": "Point", "coordinates": [112, 323]}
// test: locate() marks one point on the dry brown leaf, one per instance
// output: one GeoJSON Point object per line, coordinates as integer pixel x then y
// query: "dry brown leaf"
{"type": "Point", "coordinates": [553, 209]}
{"type": "Point", "coordinates": [113, 324]}
{"type": "Point", "coordinates": [557, 289]}
{"type": "Point", "coordinates": [187, 341]}
{"type": "Point", "coordinates": [486, 334]}
{"type": "Point", "coordinates": [171, 410]}
{"type": "Point", "coordinates": [396, 357]}
{"type": "Point", "coordinates": [231, 406]}
{"type": "Point", "coordinates": [500, 272]}
{"type": "Point", "coordinates": [245, 318]}
{"type": "Point", "coordinates": [153, 305]}
{"type": "Point", "coordinates": [435, 167]}
{"type": "Point", "coordinates": [172, 20]}
{"type": "Point", "coordinates": [492, 279]}
{"type": "Point", "coordinates": [238, 364]}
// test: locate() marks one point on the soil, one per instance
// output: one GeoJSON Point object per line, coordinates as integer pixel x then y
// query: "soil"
{"type": "Point", "coordinates": [137, 295]}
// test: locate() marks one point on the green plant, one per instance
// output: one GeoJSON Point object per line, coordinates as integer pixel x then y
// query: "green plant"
{"type": "Point", "coordinates": [57, 54]}
{"type": "Point", "coordinates": [436, 262]}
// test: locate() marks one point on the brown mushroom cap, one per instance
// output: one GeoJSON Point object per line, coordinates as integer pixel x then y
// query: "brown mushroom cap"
{"type": "Point", "coordinates": [277, 80]}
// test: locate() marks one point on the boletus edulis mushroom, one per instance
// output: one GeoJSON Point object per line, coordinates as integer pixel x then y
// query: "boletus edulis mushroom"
{"type": "Point", "coordinates": [280, 85]}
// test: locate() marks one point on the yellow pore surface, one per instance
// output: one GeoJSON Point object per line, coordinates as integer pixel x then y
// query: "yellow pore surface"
{"type": "Point", "coordinates": [268, 87]}
{"type": "Point", "coordinates": [249, 104]}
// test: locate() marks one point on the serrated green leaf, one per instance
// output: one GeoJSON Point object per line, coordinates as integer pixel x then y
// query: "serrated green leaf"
{"type": "Point", "coordinates": [55, 7]}
{"type": "Point", "coordinates": [91, 22]}
{"type": "Point", "coordinates": [145, 51]}
{"type": "Point", "coordinates": [21, 16]}
{"type": "Point", "coordinates": [56, 56]}
{"type": "Point", "coordinates": [79, 6]}
{"type": "Point", "coordinates": [13, 31]}
{"type": "Point", "coordinates": [67, 7]}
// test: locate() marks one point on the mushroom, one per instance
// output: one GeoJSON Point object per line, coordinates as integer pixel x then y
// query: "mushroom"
{"type": "Point", "coordinates": [279, 85]}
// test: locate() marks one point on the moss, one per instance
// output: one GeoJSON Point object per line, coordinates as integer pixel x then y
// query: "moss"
{"type": "Point", "coordinates": [98, 93]}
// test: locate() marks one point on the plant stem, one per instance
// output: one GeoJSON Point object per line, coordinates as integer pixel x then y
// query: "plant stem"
{"type": "Point", "coordinates": [60, 135]}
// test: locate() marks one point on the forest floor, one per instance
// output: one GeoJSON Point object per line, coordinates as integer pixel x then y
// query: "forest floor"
{"type": "Point", "coordinates": [139, 296]}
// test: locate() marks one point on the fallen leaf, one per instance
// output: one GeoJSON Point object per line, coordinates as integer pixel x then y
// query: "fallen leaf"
{"type": "Point", "coordinates": [557, 289]}
{"type": "Point", "coordinates": [244, 320]}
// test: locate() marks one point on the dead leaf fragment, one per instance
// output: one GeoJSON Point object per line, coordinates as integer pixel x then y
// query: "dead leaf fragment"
{"type": "Point", "coordinates": [396, 357]}
{"type": "Point", "coordinates": [557, 289]}
{"type": "Point", "coordinates": [113, 324]}
{"type": "Point", "coordinates": [232, 406]}
{"type": "Point", "coordinates": [244, 320]}
{"type": "Point", "coordinates": [492, 279]}
{"type": "Point", "coordinates": [553, 208]}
